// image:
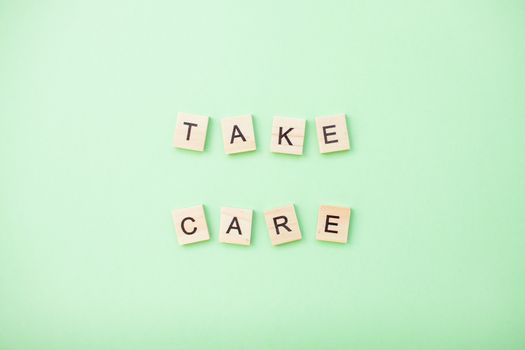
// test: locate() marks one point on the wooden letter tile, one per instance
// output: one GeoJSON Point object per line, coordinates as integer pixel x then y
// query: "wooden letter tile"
{"type": "Point", "coordinates": [288, 135]}
{"type": "Point", "coordinates": [332, 133]}
{"type": "Point", "coordinates": [190, 225]}
{"type": "Point", "coordinates": [332, 224]}
{"type": "Point", "coordinates": [283, 226]}
{"type": "Point", "coordinates": [236, 226]}
{"type": "Point", "coordinates": [190, 131]}
{"type": "Point", "coordinates": [237, 134]}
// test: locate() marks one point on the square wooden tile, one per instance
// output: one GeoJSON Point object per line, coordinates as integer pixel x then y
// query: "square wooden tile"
{"type": "Point", "coordinates": [190, 131]}
{"type": "Point", "coordinates": [236, 226]}
{"type": "Point", "coordinates": [288, 135]}
{"type": "Point", "coordinates": [238, 134]}
{"type": "Point", "coordinates": [332, 133]}
{"type": "Point", "coordinates": [190, 225]}
{"type": "Point", "coordinates": [283, 226]}
{"type": "Point", "coordinates": [333, 223]}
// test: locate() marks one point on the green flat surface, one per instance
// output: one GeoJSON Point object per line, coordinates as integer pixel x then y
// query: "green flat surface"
{"type": "Point", "coordinates": [435, 98]}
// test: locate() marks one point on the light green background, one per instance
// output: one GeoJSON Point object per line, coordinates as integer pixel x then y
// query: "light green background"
{"type": "Point", "coordinates": [435, 98]}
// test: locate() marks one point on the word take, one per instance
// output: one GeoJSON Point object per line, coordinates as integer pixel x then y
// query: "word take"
{"type": "Point", "coordinates": [238, 134]}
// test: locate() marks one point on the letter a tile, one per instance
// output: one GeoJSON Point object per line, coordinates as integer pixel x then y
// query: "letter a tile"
{"type": "Point", "coordinates": [333, 223]}
{"type": "Point", "coordinates": [283, 226]}
{"type": "Point", "coordinates": [190, 225]}
{"type": "Point", "coordinates": [236, 226]}
{"type": "Point", "coordinates": [332, 133]}
{"type": "Point", "coordinates": [237, 134]}
{"type": "Point", "coordinates": [288, 135]}
{"type": "Point", "coordinates": [190, 131]}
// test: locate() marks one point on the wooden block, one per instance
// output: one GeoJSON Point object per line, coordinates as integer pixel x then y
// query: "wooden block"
{"type": "Point", "coordinates": [190, 131]}
{"type": "Point", "coordinates": [333, 223]}
{"type": "Point", "coordinates": [288, 135]}
{"type": "Point", "coordinates": [190, 225]}
{"type": "Point", "coordinates": [236, 226]}
{"type": "Point", "coordinates": [237, 134]}
{"type": "Point", "coordinates": [283, 226]}
{"type": "Point", "coordinates": [332, 133]}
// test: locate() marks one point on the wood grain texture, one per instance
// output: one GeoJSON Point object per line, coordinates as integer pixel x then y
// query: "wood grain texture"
{"type": "Point", "coordinates": [237, 134]}
{"type": "Point", "coordinates": [190, 131]}
{"type": "Point", "coordinates": [288, 135]}
{"type": "Point", "coordinates": [332, 133]}
{"type": "Point", "coordinates": [333, 223]}
{"type": "Point", "coordinates": [190, 225]}
{"type": "Point", "coordinates": [283, 226]}
{"type": "Point", "coordinates": [235, 226]}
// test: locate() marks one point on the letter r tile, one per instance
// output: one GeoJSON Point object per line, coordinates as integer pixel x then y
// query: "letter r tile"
{"type": "Point", "coordinates": [190, 131]}
{"type": "Point", "coordinates": [283, 226]}
{"type": "Point", "coordinates": [190, 225]}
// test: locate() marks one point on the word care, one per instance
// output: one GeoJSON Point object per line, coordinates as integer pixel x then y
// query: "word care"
{"type": "Point", "coordinates": [238, 135]}
{"type": "Point", "coordinates": [283, 226]}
